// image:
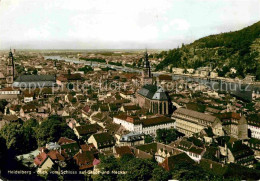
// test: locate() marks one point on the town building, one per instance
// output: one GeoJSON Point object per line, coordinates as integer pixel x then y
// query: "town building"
{"type": "Point", "coordinates": [102, 141]}
{"type": "Point", "coordinates": [235, 125]}
{"type": "Point", "coordinates": [190, 122]}
{"type": "Point", "coordinates": [146, 72]}
{"type": "Point", "coordinates": [146, 126]}
{"type": "Point", "coordinates": [155, 99]}
{"type": "Point", "coordinates": [254, 129]}
{"type": "Point", "coordinates": [10, 72]}
{"type": "Point", "coordinates": [235, 151]}
{"type": "Point", "coordinates": [131, 139]}
{"type": "Point", "coordinates": [33, 81]}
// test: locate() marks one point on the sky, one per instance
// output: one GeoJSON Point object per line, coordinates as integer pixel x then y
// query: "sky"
{"type": "Point", "coordinates": [119, 24]}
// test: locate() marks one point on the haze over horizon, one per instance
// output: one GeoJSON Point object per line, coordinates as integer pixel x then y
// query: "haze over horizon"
{"type": "Point", "coordinates": [117, 24]}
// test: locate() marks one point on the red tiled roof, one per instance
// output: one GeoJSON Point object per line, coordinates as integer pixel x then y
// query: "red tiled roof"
{"type": "Point", "coordinates": [84, 159]}
{"type": "Point", "coordinates": [130, 119]}
{"type": "Point", "coordinates": [28, 94]}
{"type": "Point", "coordinates": [64, 140]}
{"type": "Point", "coordinates": [86, 109]}
{"type": "Point", "coordinates": [230, 115]}
{"type": "Point", "coordinates": [56, 155]}
{"type": "Point", "coordinates": [156, 121]}
{"type": "Point", "coordinates": [9, 89]}
{"type": "Point", "coordinates": [96, 161]}
{"type": "Point", "coordinates": [165, 77]}
{"type": "Point", "coordinates": [123, 150]}
{"type": "Point", "coordinates": [39, 159]}
{"type": "Point", "coordinates": [88, 147]}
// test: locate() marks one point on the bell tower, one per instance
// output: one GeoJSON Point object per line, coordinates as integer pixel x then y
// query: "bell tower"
{"type": "Point", "coordinates": [146, 72]}
{"type": "Point", "coordinates": [10, 69]}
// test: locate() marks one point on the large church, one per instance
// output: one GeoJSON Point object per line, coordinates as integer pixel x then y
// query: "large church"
{"type": "Point", "coordinates": [152, 97]}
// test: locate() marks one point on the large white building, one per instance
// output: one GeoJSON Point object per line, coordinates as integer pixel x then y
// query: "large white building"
{"type": "Point", "coordinates": [9, 91]}
{"type": "Point", "coordinates": [190, 122]}
{"type": "Point", "coordinates": [254, 129]}
{"type": "Point", "coordinates": [146, 126]}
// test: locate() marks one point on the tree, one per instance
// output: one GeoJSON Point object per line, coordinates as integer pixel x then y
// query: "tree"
{"type": "Point", "coordinates": [108, 164]}
{"type": "Point", "coordinates": [3, 151]}
{"type": "Point", "coordinates": [148, 139]}
{"type": "Point", "coordinates": [70, 86]}
{"type": "Point", "coordinates": [116, 77]}
{"type": "Point", "coordinates": [139, 169]}
{"type": "Point", "coordinates": [3, 103]}
{"type": "Point", "coordinates": [34, 72]}
{"type": "Point", "coordinates": [86, 69]}
{"type": "Point", "coordinates": [166, 136]}
{"type": "Point", "coordinates": [52, 129]}
{"type": "Point", "coordinates": [160, 174]}
{"type": "Point", "coordinates": [19, 138]}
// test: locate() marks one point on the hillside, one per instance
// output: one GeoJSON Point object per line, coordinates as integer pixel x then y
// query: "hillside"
{"type": "Point", "coordinates": [238, 49]}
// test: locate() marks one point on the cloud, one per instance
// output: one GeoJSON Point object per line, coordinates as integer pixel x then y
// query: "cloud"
{"type": "Point", "coordinates": [119, 23]}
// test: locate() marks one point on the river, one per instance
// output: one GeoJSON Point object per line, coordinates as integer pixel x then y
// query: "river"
{"type": "Point", "coordinates": [243, 91]}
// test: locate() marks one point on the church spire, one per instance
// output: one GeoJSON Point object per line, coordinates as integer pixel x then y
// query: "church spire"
{"type": "Point", "coordinates": [146, 73]}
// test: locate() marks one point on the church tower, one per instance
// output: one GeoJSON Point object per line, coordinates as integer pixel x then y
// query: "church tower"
{"type": "Point", "coordinates": [10, 69]}
{"type": "Point", "coordinates": [146, 73]}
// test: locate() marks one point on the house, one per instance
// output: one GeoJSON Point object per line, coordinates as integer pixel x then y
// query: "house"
{"type": "Point", "coordinates": [102, 141]}
{"type": "Point", "coordinates": [213, 167]}
{"type": "Point", "coordinates": [89, 147]}
{"type": "Point", "coordinates": [72, 123]}
{"type": "Point", "coordinates": [163, 78]}
{"type": "Point", "coordinates": [53, 146]}
{"type": "Point", "coordinates": [9, 91]}
{"type": "Point", "coordinates": [235, 125]}
{"type": "Point", "coordinates": [28, 96]}
{"type": "Point", "coordinates": [127, 95]}
{"type": "Point", "coordinates": [43, 163]}
{"type": "Point", "coordinates": [129, 108]}
{"type": "Point", "coordinates": [68, 146]}
{"type": "Point", "coordinates": [26, 109]}
{"type": "Point", "coordinates": [85, 111]}
{"type": "Point", "coordinates": [254, 128]}
{"type": "Point", "coordinates": [170, 162]}
{"type": "Point", "coordinates": [7, 119]}
{"type": "Point", "coordinates": [177, 70]}
{"type": "Point", "coordinates": [131, 139]}
{"type": "Point", "coordinates": [66, 78]}
{"type": "Point", "coordinates": [187, 145]}
{"type": "Point", "coordinates": [254, 144]}
{"type": "Point", "coordinates": [84, 160]}
{"type": "Point", "coordinates": [87, 130]}
{"type": "Point", "coordinates": [159, 150]}
{"type": "Point", "coordinates": [122, 150]}
{"type": "Point", "coordinates": [234, 151]}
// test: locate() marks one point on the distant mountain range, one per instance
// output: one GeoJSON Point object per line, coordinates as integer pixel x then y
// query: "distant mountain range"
{"type": "Point", "coordinates": [238, 49]}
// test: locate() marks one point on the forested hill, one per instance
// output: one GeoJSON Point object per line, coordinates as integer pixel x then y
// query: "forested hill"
{"type": "Point", "coordinates": [238, 49]}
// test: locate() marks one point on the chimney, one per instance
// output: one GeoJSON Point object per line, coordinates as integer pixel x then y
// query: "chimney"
{"type": "Point", "coordinates": [138, 151]}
